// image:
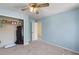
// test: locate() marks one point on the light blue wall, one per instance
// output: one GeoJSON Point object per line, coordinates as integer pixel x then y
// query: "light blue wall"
{"type": "Point", "coordinates": [62, 29]}
{"type": "Point", "coordinates": [32, 21]}
{"type": "Point", "coordinates": [20, 15]}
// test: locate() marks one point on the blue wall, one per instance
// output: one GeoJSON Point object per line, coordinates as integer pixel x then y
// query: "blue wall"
{"type": "Point", "coordinates": [62, 29]}
{"type": "Point", "coordinates": [32, 21]}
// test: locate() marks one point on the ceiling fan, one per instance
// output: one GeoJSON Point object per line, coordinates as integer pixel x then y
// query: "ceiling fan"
{"type": "Point", "coordinates": [34, 7]}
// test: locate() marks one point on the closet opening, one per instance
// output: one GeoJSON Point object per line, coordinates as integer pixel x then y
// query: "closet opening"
{"type": "Point", "coordinates": [11, 31]}
{"type": "Point", "coordinates": [20, 33]}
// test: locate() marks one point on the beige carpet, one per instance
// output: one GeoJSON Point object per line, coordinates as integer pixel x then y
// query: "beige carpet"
{"type": "Point", "coordinates": [35, 48]}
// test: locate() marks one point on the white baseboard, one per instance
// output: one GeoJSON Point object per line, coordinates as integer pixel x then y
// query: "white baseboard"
{"type": "Point", "coordinates": [26, 43]}
{"type": "Point", "coordinates": [61, 47]}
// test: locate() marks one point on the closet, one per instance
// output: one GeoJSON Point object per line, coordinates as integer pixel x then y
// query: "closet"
{"type": "Point", "coordinates": [11, 31]}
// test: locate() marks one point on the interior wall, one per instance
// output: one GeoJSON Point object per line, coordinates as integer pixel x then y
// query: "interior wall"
{"type": "Point", "coordinates": [20, 15]}
{"type": "Point", "coordinates": [39, 30]}
{"type": "Point", "coordinates": [33, 28]}
{"type": "Point", "coordinates": [62, 29]}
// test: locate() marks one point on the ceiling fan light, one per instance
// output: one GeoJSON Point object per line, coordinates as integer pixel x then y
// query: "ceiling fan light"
{"type": "Point", "coordinates": [31, 9]}
{"type": "Point", "coordinates": [35, 10]}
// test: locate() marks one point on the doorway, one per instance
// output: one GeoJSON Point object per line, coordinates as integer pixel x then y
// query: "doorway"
{"type": "Point", "coordinates": [34, 31]}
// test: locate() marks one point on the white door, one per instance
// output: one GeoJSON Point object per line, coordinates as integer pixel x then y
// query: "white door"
{"type": "Point", "coordinates": [34, 31]}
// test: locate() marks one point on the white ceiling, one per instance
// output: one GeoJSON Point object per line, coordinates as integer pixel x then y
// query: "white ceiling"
{"type": "Point", "coordinates": [53, 8]}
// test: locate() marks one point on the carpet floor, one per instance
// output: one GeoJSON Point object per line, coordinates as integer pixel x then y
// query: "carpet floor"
{"type": "Point", "coordinates": [36, 48]}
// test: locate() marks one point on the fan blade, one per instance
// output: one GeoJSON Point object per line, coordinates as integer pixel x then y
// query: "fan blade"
{"type": "Point", "coordinates": [32, 4]}
{"type": "Point", "coordinates": [44, 5]}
